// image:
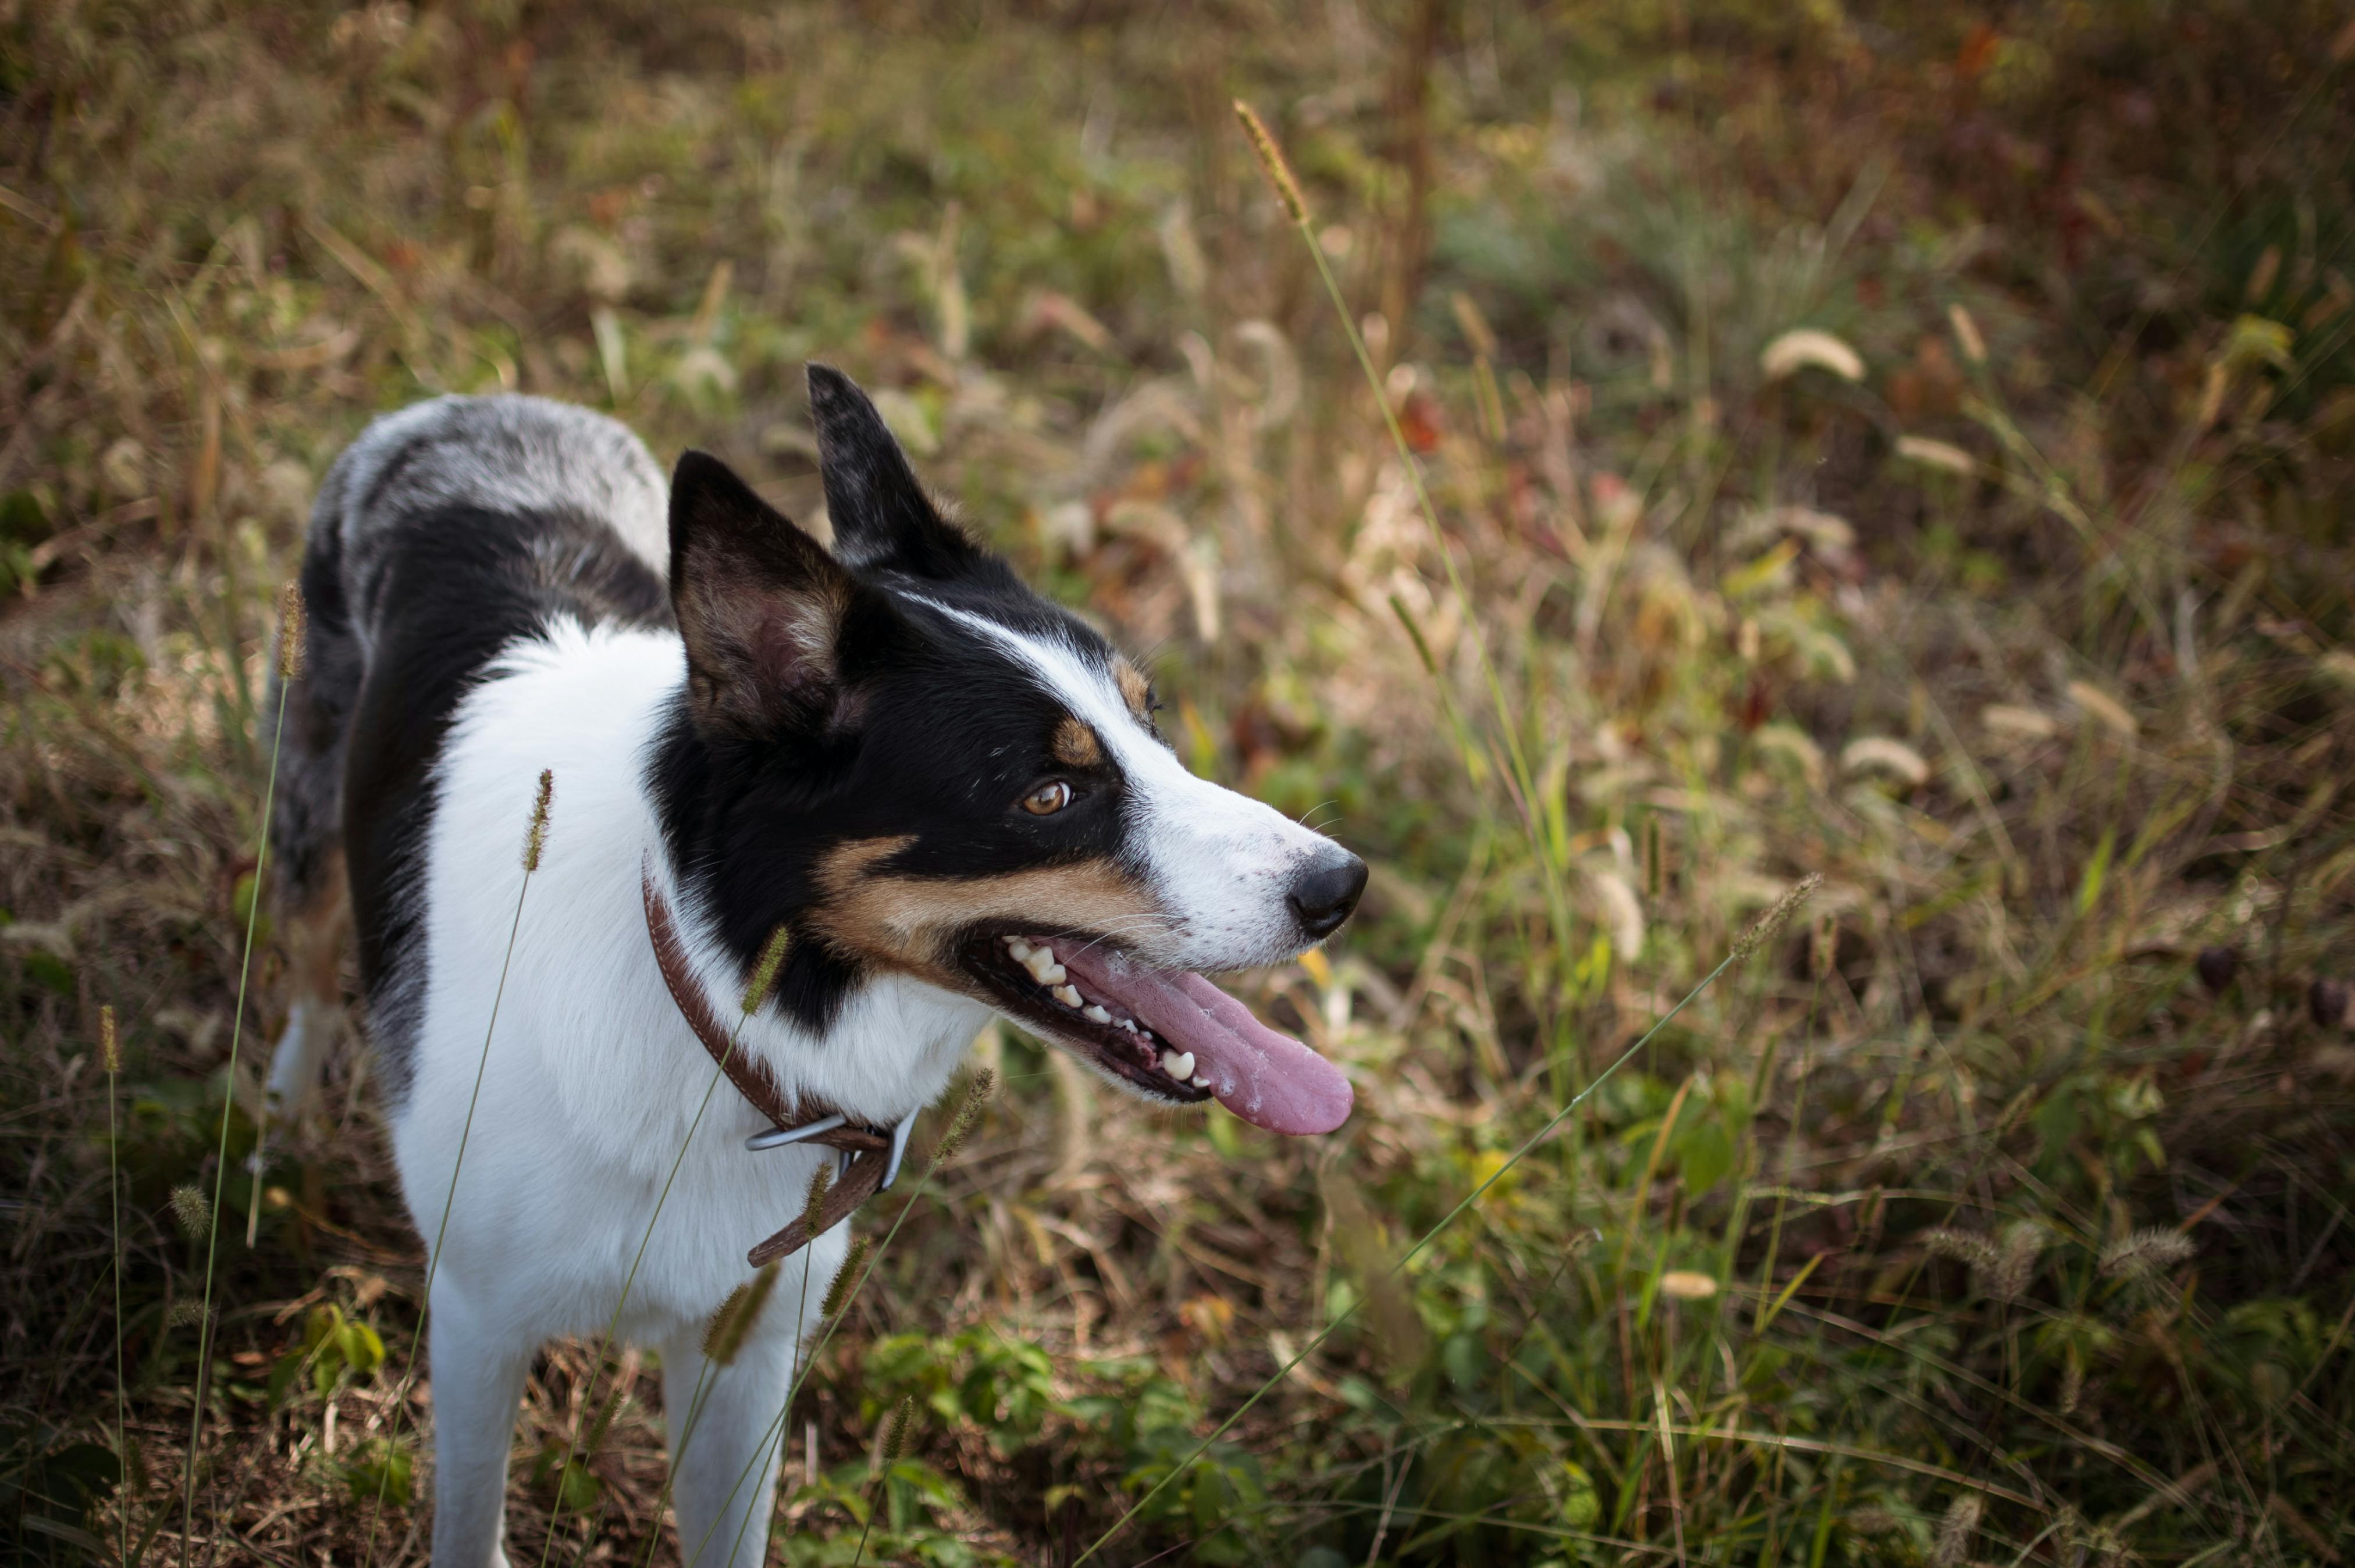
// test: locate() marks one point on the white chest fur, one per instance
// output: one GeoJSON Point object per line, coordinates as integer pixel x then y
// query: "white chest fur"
{"type": "Point", "coordinates": [591, 1081]}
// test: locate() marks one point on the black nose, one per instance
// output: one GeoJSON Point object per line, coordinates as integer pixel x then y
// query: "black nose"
{"type": "Point", "coordinates": [1326, 893]}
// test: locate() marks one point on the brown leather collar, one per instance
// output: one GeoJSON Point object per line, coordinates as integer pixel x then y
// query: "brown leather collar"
{"type": "Point", "coordinates": [869, 1156]}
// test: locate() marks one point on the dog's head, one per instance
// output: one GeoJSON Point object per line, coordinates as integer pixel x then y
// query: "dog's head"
{"type": "Point", "coordinates": [916, 766]}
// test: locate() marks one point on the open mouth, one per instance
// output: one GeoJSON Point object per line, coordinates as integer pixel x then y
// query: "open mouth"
{"type": "Point", "coordinates": [1169, 1033]}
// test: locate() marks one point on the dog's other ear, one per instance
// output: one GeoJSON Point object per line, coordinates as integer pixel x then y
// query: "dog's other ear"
{"type": "Point", "coordinates": [882, 518]}
{"type": "Point", "coordinates": [760, 604]}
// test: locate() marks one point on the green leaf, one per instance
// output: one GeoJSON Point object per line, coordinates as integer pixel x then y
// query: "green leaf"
{"type": "Point", "coordinates": [381, 1470]}
{"type": "Point", "coordinates": [1582, 1506]}
{"type": "Point", "coordinates": [324, 1321]}
{"type": "Point", "coordinates": [360, 1347]}
{"type": "Point", "coordinates": [2097, 869]}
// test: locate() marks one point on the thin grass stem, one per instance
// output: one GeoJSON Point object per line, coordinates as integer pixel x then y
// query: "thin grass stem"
{"type": "Point", "coordinates": [775, 1428]}
{"type": "Point", "coordinates": [535, 838]}
{"type": "Point", "coordinates": [110, 1048]}
{"type": "Point", "coordinates": [695, 1404]}
{"type": "Point", "coordinates": [629, 1281]}
{"type": "Point", "coordinates": [1524, 781]}
{"type": "Point", "coordinates": [220, 1158]}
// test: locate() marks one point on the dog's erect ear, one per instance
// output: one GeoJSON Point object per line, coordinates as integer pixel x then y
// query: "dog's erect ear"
{"type": "Point", "coordinates": [760, 604]}
{"type": "Point", "coordinates": [882, 518]}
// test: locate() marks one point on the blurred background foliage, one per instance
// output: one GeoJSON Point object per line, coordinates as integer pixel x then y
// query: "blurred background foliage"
{"type": "Point", "coordinates": [1902, 442]}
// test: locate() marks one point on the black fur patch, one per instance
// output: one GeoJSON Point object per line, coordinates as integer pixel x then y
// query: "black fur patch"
{"type": "Point", "coordinates": [938, 733]}
{"type": "Point", "coordinates": [952, 732]}
{"type": "Point", "coordinates": [461, 584]}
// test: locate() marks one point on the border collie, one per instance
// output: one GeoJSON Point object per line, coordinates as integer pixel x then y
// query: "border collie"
{"type": "Point", "coordinates": [948, 794]}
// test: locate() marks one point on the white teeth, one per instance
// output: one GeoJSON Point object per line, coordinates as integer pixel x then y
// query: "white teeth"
{"type": "Point", "coordinates": [1069, 996]}
{"type": "Point", "coordinates": [1097, 1013]}
{"type": "Point", "coordinates": [1129, 1024]}
{"type": "Point", "coordinates": [1177, 1066]}
{"type": "Point", "coordinates": [1202, 1083]}
{"type": "Point", "coordinates": [1018, 949]}
{"type": "Point", "coordinates": [1040, 962]}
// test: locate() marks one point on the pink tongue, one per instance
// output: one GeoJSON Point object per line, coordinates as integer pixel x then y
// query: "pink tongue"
{"type": "Point", "coordinates": [1270, 1080]}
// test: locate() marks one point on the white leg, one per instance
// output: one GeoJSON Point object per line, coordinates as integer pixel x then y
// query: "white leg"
{"type": "Point", "coordinates": [478, 1376]}
{"type": "Point", "coordinates": [724, 1471]}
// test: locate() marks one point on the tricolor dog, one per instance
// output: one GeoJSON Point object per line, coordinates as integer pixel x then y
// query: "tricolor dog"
{"type": "Point", "coordinates": [948, 795]}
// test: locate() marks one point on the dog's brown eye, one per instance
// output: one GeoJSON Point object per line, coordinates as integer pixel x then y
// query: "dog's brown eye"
{"type": "Point", "coordinates": [1048, 798]}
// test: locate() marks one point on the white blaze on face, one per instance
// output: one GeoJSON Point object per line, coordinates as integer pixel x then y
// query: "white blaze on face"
{"type": "Point", "coordinates": [1220, 863]}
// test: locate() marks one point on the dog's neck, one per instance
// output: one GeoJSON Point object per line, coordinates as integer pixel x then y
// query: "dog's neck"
{"type": "Point", "coordinates": [593, 706]}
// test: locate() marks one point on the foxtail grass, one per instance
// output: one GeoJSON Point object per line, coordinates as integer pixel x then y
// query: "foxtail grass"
{"type": "Point", "coordinates": [110, 1056]}
{"type": "Point", "coordinates": [290, 632]}
{"type": "Point", "coordinates": [731, 1325]}
{"type": "Point", "coordinates": [535, 843]}
{"type": "Point", "coordinates": [293, 632]}
{"type": "Point", "coordinates": [1515, 756]}
{"type": "Point", "coordinates": [723, 1338]}
{"type": "Point", "coordinates": [859, 1266]}
{"type": "Point", "coordinates": [895, 1443]}
{"type": "Point", "coordinates": [756, 994]}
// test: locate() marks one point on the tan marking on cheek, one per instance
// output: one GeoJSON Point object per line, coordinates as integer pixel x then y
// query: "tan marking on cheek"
{"type": "Point", "coordinates": [1075, 744]}
{"type": "Point", "coordinates": [1133, 689]}
{"type": "Point", "coordinates": [906, 922]}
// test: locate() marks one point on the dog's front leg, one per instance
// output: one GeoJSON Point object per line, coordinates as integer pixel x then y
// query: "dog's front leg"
{"type": "Point", "coordinates": [724, 1440]}
{"type": "Point", "coordinates": [478, 1375]}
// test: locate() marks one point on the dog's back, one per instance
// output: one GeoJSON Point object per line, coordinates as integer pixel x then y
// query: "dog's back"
{"type": "Point", "coordinates": [442, 534]}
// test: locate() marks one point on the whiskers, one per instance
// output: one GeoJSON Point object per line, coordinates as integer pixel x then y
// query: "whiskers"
{"type": "Point", "coordinates": [1145, 924]}
{"type": "Point", "coordinates": [1328, 825]}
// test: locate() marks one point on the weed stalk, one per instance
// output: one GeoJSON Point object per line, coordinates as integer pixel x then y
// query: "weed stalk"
{"type": "Point", "coordinates": [535, 843]}
{"type": "Point", "coordinates": [288, 634]}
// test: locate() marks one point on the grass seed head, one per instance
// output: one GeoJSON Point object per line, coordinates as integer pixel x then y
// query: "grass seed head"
{"type": "Point", "coordinates": [187, 1313]}
{"type": "Point", "coordinates": [1763, 931]}
{"type": "Point", "coordinates": [192, 1210]}
{"type": "Point", "coordinates": [1271, 158]}
{"type": "Point", "coordinates": [1967, 333]}
{"type": "Point", "coordinates": [2147, 1252]}
{"type": "Point", "coordinates": [724, 1336]}
{"type": "Point", "coordinates": [1687, 1285]}
{"type": "Point", "coordinates": [895, 1437]}
{"type": "Point", "coordinates": [1874, 1519]}
{"type": "Point", "coordinates": [1954, 1530]}
{"type": "Point", "coordinates": [845, 1279]}
{"type": "Point", "coordinates": [294, 626]}
{"type": "Point", "coordinates": [110, 1048]}
{"type": "Point", "coordinates": [2007, 1278]}
{"type": "Point", "coordinates": [821, 1183]}
{"type": "Point", "coordinates": [593, 1441]}
{"type": "Point", "coordinates": [535, 838]}
{"type": "Point", "coordinates": [764, 972]}
{"type": "Point", "coordinates": [976, 1096]}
